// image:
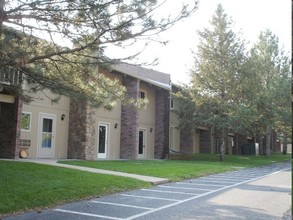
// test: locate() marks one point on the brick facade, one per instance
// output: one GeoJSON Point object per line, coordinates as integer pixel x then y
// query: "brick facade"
{"type": "Point", "coordinates": [129, 121]}
{"type": "Point", "coordinates": [82, 119]}
{"type": "Point", "coordinates": [81, 138]}
{"type": "Point", "coordinates": [162, 111]}
{"type": "Point", "coordinates": [10, 125]}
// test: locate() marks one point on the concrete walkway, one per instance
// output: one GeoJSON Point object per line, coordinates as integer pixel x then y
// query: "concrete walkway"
{"type": "Point", "coordinates": [150, 179]}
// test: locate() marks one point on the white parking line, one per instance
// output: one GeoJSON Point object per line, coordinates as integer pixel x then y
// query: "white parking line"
{"type": "Point", "coordinates": [87, 214]}
{"type": "Point", "coordinates": [225, 178]}
{"type": "Point", "coordinates": [241, 178]}
{"type": "Point", "coordinates": [123, 205]}
{"type": "Point", "coordinates": [198, 184]}
{"type": "Point", "coordinates": [172, 192]}
{"type": "Point", "coordinates": [177, 187]}
{"type": "Point", "coordinates": [251, 174]}
{"type": "Point", "coordinates": [150, 197]}
{"type": "Point", "coordinates": [202, 195]}
{"type": "Point", "coordinates": [214, 181]}
{"type": "Point", "coordinates": [174, 201]}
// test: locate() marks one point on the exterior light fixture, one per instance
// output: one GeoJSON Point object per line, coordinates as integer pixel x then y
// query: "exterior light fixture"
{"type": "Point", "coordinates": [116, 125]}
{"type": "Point", "coordinates": [151, 130]}
{"type": "Point", "coordinates": [62, 117]}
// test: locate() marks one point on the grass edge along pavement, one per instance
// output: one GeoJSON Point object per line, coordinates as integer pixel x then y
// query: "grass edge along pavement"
{"type": "Point", "coordinates": [30, 186]}
{"type": "Point", "coordinates": [176, 170]}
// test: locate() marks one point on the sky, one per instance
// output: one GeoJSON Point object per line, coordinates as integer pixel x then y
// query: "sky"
{"type": "Point", "coordinates": [250, 17]}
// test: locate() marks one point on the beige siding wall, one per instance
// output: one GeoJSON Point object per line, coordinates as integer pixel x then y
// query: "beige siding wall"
{"type": "Point", "coordinates": [174, 130]}
{"type": "Point", "coordinates": [110, 118]}
{"type": "Point", "coordinates": [146, 119]}
{"type": "Point", "coordinates": [42, 104]}
{"type": "Point", "coordinates": [174, 138]}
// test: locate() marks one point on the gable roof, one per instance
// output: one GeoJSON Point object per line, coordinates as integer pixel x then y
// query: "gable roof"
{"type": "Point", "coordinates": [162, 80]}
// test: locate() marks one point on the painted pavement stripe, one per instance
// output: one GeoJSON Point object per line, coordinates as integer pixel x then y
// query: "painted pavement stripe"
{"type": "Point", "coordinates": [173, 192]}
{"type": "Point", "coordinates": [214, 181]}
{"type": "Point", "coordinates": [150, 197]}
{"type": "Point", "coordinates": [233, 178]}
{"type": "Point", "coordinates": [123, 205]}
{"type": "Point", "coordinates": [253, 174]}
{"type": "Point", "coordinates": [177, 187]}
{"type": "Point", "coordinates": [199, 184]}
{"type": "Point", "coordinates": [226, 178]}
{"type": "Point", "coordinates": [202, 195]}
{"type": "Point", "coordinates": [87, 214]}
{"type": "Point", "coordinates": [246, 176]}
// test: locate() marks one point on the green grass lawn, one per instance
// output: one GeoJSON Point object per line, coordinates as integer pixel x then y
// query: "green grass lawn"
{"type": "Point", "coordinates": [25, 186]}
{"type": "Point", "coordinates": [202, 164]}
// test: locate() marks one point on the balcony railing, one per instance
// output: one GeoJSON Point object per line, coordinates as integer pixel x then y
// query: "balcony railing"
{"type": "Point", "coordinates": [9, 76]}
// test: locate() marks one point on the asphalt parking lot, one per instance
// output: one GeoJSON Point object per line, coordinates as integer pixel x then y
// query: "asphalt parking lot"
{"type": "Point", "coordinates": [145, 203]}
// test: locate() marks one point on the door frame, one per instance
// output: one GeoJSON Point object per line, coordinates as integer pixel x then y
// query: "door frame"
{"type": "Point", "coordinates": [40, 152]}
{"type": "Point", "coordinates": [103, 155]}
{"type": "Point", "coordinates": [144, 148]}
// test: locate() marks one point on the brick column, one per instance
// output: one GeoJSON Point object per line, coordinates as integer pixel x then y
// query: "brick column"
{"type": "Point", "coordinates": [162, 124]}
{"type": "Point", "coordinates": [205, 141]}
{"type": "Point", "coordinates": [10, 125]}
{"type": "Point", "coordinates": [186, 142]}
{"type": "Point", "coordinates": [129, 121]}
{"type": "Point", "coordinates": [81, 138]}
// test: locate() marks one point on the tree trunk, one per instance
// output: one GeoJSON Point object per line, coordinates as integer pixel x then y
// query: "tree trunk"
{"type": "Point", "coordinates": [268, 142]}
{"type": "Point", "coordinates": [285, 144]}
{"type": "Point", "coordinates": [223, 145]}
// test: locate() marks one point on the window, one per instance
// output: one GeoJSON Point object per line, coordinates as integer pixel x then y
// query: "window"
{"type": "Point", "coordinates": [26, 121]}
{"type": "Point", "coordinates": [171, 103]}
{"type": "Point", "coordinates": [142, 95]}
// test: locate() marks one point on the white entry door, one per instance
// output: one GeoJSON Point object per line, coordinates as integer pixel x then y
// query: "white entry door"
{"type": "Point", "coordinates": [103, 140]}
{"type": "Point", "coordinates": [47, 130]}
{"type": "Point", "coordinates": [141, 143]}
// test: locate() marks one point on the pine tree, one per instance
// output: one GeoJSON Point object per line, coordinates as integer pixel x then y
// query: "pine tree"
{"type": "Point", "coordinates": [218, 67]}
{"type": "Point", "coordinates": [270, 68]}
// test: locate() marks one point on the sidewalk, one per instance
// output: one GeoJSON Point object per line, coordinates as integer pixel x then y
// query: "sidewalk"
{"type": "Point", "coordinates": [150, 179]}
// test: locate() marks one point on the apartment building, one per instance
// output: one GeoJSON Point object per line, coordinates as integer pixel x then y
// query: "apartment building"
{"type": "Point", "coordinates": [77, 130]}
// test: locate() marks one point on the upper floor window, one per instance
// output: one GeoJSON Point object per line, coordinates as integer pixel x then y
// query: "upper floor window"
{"type": "Point", "coordinates": [26, 121]}
{"type": "Point", "coordinates": [142, 94]}
{"type": "Point", "coordinates": [171, 103]}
